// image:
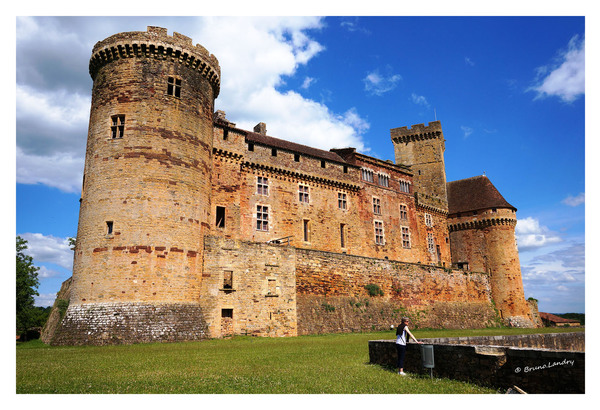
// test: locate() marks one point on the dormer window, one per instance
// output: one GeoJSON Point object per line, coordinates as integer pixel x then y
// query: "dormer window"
{"type": "Point", "coordinates": [174, 87]}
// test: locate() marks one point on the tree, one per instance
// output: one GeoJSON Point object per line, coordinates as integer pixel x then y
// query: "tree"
{"type": "Point", "coordinates": [27, 283]}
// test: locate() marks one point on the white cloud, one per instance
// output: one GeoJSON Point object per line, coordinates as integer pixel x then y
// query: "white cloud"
{"type": "Point", "coordinates": [49, 249]}
{"type": "Point", "coordinates": [469, 62]}
{"type": "Point", "coordinates": [45, 299]}
{"type": "Point", "coordinates": [378, 84]}
{"type": "Point", "coordinates": [566, 77]}
{"type": "Point", "coordinates": [530, 234]}
{"type": "Point", "coordinates": [419, 100]}
{"type": "Point", "coordinates": [574, 200]}
{"type": "Point", "coordinates": [466, 131]}
{"type": "Point", "coordinates": [307, 82]}
{"type": "Point", "coordinates": [256, 55]}
{"type": "Point", "coordinates": [44, 273]}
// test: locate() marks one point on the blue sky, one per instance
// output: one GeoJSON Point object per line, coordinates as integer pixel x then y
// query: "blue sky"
{"type": "Point", "coordinates": [509, 92]}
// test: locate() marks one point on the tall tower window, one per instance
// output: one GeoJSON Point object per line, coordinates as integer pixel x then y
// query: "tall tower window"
{"type": "Point", "coordinates": [228, 279]}
{"type": "Point", "coordinates": [117, 128]}
{"type": "Point", "coordinates": [262, 186]}
{"type": "Point", "coordinates": [174, 87]}
{"type": "Point", "coordinates": [342, 202]}
{"type": "Point", "coordinates": [430, 243]}
{"type": "Point", "coordinates": [403, 212]}
{"type": "Point", "coordinates": [109, 227]}
{"type": "Point", "coordinates": [405, 237]}
{"type": "Point", "coordinates": [303, 193]}
{"type": "Point", "coordinates": [376, 206]}
{"type": "Point", "coordinates": [428, 220]}
{"type": "Point", "coordinates": [306, 230]}
{"type": "Point", "coordinates": [343, 235]}
{"type": "Point", "coordinates": [379, 240]}
{"type": "Point", "coordinates": [262, 218]}
{"type": "Point", "coordinates": [220, 222]}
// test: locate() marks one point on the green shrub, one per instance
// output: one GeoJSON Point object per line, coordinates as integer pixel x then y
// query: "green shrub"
{"type": "Point", "coordinates": [374, 290]}
{"type": "Point", "coordinates": [328, 307]}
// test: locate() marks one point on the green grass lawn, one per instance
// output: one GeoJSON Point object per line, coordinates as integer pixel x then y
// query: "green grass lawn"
{"type": "Point", "coordinates": [334, 363]}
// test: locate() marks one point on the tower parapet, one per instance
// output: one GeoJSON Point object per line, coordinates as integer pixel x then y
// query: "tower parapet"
{"type": "Point", "coordinates": [422, 148]}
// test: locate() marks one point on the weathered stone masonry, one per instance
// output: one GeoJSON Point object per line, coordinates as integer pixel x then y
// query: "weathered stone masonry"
{"type": "Point", "coordinates": [190, 227]}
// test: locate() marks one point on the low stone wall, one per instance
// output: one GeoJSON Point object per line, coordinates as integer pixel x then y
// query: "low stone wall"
{"type": "Point", "coordinates": [533, 370]}
{"type": "Point", "coordinates": [126, 323]}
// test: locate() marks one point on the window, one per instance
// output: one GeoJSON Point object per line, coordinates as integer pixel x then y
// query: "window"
{"type": "Point", "coordinates": [220, 220]}
{"type": "Point", "coordinates": [322, 164]}
{"type": "Point", "coordinates": [303, 193]}
{"type": "Point", "coordinates": [262, 185]}
{"type": "Point", "coordinates": [428, 220]}
{"type": "Point", "coordinates": [297, 157]}
{"type": "Point", "coordinates": [174, 87]}
{"type": "Point", "coordinates": [367, 175]}
{"type": "Point", "coordinates": [251, 146]}
{"type": "Point", "coordinates": [342, 204]}
{"type": "Point", "coordinates": [383, 180]}
{"type": "Point", "coordinates": [227, 313]}
{"type": "Point", "coordinates": [403, 212]}
{"type": "Point", "coordinates": [273, 152]}
{"type": "Point", "coordinates": [109, 227]}
{"type": "Point", "coordinates": [430, 243]}
{"type": "Point", "coordinates": [376, 206]}
{"type": "Point", "coordinates": [343, 235]}
{"type": "Point", "coordinates": [405, 237]}
{"type": "Point", "coordinates": [262, 218]}
{"type": "Point", "coordinates": [404, 186]}
{"type": "Point", "coordinates": [228, 279]}
{"type": "Point", "coordinates": [225, 134]}
{"type": "Point", "coordinates": [379, 232]}
{"type": "Point", "coordinates": [117, 128]}
{"type": "Point", "coordinates": [345, 169]}
{"type": "Point", "coordinates": [305, 230]}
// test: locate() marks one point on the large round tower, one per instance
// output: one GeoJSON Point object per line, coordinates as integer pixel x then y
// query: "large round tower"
{"type": "Point", "coordinates": [146, 191]}
{"type": "Point", "coordinates": [482, 238]}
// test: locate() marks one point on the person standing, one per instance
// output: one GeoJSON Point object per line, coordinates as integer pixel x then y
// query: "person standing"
{"type": "Point", "coordinates": [402, 335]}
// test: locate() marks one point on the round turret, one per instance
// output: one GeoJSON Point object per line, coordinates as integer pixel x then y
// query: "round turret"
{"type": "Point", "coordinates": [146, 191]}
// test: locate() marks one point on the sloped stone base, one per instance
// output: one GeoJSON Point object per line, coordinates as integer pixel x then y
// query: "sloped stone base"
{"type": "Point", "coordinates": [126, 323]}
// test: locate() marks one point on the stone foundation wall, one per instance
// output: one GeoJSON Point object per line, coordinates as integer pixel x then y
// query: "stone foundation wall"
{"type": "Point", "coordinates": [126, 323]}
{"type": "Point", "coordinates": [532, 370]}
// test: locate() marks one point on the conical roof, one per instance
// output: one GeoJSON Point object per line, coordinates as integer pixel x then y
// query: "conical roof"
{"type": "Point", "coordinates": [474, 193]}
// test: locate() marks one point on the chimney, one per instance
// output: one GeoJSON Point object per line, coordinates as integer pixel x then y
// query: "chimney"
{"type": "Point", "coordinates": [261, 128]}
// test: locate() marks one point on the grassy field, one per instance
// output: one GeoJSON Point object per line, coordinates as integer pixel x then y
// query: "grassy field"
{"type": "Point", "coordinates": [334, 363]}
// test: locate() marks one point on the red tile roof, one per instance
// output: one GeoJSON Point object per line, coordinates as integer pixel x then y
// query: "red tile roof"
{"type": "Point", "coordinates": [472, 194]}
{"type": "Point", "coordinates": [556, 319]}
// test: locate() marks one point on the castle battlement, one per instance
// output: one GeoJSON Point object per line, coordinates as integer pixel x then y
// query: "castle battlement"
{"type": "Point", "coordinates": [417, 132]}
{"type": "Point", "coordinates": [156, 43]}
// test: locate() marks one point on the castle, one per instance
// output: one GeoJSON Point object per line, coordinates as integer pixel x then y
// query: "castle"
{"type": "Point", "coordinates": [191, 228]}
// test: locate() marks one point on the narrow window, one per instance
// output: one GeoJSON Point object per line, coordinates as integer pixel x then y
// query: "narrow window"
{"type": "Point", "coordinates": [174, 87]}
{"type": "Point", "coordinates": [303, 193]}
{"type": "Point", "coordinates": [220, 217]}
{"type": "Point", "coordinates": [379, 233]}
{"type": "Point", "coordinates": [403, 212]}
{"type": "Point", "coordinates": [428, 220]}
{"type": "Point", "coordinates": [251, 146]}
{"type": "Point", "coordinates": [306, 231]}
{"type": "Point", "coordinates": [343, 235]}
{"type": "Point", "coordinates": [342, 204]}
{"type": "Point", "coordinates": [322, 164]}
{"type": "Point", "coordinates": [262, 218]}
{"type": "Point", "coordinates": [273, 152]}
{"type": "Point", "coordinates": [109, 227]}
{"type": "Point", "coordinates": [228, 279]}
{"type": "Point", "coordinates": [297, 157]}
{"type": "Point", "coordinates": [262, 186]}
{"type": "Point", "coordinates": [404, 186]}
{"type": "Point", "coordinates": [405, 237]}
{"type": "Point", "coordinates": [376, 206]}
{"type": "Point", "coordinates": [345, 169]}
{"type": "Point", "coordinates": [225, 134]}
{"type": "Point", "coordinates": [117, 128]}
{"type": "Point", "coordinates": [383, 180]}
